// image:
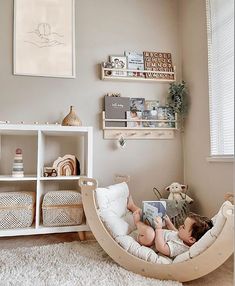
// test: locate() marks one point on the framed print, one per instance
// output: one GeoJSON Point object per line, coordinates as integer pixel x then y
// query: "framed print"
{"type": "Point", "coordinates": [118, 62]}
{"type": "Point", "coordinates": [44, 38]}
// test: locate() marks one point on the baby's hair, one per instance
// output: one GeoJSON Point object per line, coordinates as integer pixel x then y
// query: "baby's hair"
{"type": "Point", "coordinates": [200, 226]}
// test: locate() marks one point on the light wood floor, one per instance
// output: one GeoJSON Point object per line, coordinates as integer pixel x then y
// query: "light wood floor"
{"type": "Point", "coordinates": [223, 276]}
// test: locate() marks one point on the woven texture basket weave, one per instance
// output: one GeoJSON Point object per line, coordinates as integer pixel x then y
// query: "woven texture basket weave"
{"type": "Point", "coordinates": [16, 209]}
{"type": "Point", "coordinates": [60, 208]}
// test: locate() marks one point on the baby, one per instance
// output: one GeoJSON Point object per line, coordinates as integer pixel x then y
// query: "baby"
{"type": "Point", "coordinates": [170, 242]}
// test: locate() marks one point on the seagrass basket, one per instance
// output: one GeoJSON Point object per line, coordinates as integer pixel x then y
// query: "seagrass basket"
{"type": "Point", "coordinates": [16, 209]}
{"type": "Point", "coordinates": [61, 208]}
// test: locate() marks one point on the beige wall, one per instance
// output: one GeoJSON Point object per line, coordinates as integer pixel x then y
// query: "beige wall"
{"type": "Point", "coordinates": [208, 181]}
{"type": "Point", "coordinates": [110, 28]}
{"type": "Point", "coordinates": [103, 28]}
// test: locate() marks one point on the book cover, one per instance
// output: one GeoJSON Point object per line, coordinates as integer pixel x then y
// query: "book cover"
{"type": "Point", "coordinates": [135, 61]}
{"type": "Point", "coordinates": [134, 116]}
{"type": "Point", "coordinates": [170, 115]}
{"type": "Point", "coordinates": [149, 115]}
{"type": "Point", "coordinates": [152, 209]}
{"type": "Point", "coordinates": [166, 113]}
{"type": "Point", "coordinates": [116, 108]}
{"type": "Point", "coordinates": [158, 61]}
{"type": "Point", "coordinates": [137, 104]}
{"type": "Point", "coordinates": [119, 62]}
{"type": "Point", "coordinates": [152, 104]}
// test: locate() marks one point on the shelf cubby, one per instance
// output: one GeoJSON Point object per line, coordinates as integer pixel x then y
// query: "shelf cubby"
{"type": "Point", "coordinates": [41, 145]}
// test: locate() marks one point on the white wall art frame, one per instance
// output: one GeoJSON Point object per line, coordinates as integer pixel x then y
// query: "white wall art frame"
{"type": "Point", "coordinates": [44, 38]}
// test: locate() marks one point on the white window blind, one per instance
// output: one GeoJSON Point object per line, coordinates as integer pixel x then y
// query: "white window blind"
{"type": "Point", "coordinates": [220, 23]}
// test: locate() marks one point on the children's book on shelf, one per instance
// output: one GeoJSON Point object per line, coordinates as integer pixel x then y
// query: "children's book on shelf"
{"type": "Point", "coordinates": [152, 209]}
{"type": "Point", "coordinates": [149, 115]}
{"type": "Point", "coordinates": [152, 104]}
{"type": "Point", "coordinates": [166, 113]}
{"type": "Point", "coordinates": [135, 116]}
{"type": "Point", "coordinates": [119, 62]}
{"type": "Point", "coordinates": [135, 61]}
{"type": "Point", "coordinates": [116, 108]}
{"type": "Point", "coordinates": [137, 104]}
{"type": "Point", "coordinates": [170, 115]}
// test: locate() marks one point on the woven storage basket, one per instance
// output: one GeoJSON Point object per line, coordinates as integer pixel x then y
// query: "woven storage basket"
{"type": "Point", "coordinates": [16, 209]}
{"type": "Point", "coordinates": [60, 208]}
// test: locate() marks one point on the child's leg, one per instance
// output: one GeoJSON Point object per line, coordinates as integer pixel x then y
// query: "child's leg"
{"type": "Point", "coordinates": [146, 233]}
{"type": "Point", "coordinates": [131, 205]}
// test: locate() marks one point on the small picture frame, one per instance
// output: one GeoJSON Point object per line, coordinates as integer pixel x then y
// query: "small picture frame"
{"type": "Point", "coordinates": [119, 62]}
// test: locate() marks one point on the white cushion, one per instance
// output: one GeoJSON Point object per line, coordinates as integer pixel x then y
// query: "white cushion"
{"type": "Point", "coordinates": [208, 238]}
{"type": "Point", "coordinates": [112, 209]}
{"type": "Point", "coordinates": [143, 252]}
{"type": "Point", "coordinates": [113, 198]}
{"type": "Point", "coordinates": [182, 257]}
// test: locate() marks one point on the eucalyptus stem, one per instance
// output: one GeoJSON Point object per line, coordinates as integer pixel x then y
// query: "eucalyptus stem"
{"type": "Point", "coordinates": [178, 100]}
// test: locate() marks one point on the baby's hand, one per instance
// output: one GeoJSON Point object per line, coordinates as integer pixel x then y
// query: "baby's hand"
{"type": "Point", "coordinates": [158, 222]}
{"type": "Point", "coordinates": [167, 219]}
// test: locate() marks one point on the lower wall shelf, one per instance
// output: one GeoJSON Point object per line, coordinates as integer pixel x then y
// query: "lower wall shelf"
{"type": "Point", "coordinates": [130, 133]}
{"type": "Point", "coordinates": [138, 133]}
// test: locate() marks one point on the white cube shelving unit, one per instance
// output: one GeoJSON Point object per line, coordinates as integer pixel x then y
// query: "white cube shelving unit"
{"type": "Point", "coordinates": [41, 145]}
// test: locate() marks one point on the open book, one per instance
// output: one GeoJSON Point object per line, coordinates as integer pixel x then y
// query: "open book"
{"type": "Point", "coordinates": [152, 209]}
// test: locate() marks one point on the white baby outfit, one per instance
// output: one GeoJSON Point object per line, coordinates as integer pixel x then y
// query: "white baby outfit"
{"type": "Point", "coordinates": [176, 245]}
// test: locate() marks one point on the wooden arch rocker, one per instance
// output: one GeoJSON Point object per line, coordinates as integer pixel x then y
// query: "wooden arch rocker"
{"type": "Point", "coordinates": [213, 257]}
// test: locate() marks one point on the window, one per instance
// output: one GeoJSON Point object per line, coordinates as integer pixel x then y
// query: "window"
{"type": "Point", "coordinates": [220, 23]}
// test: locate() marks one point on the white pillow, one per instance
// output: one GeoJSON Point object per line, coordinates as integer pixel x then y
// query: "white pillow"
{"type": "Point", "coordinates": [112, 209]}
{"type": "Point", "coordinates": [207, 239]}
{"type": "Point", "coordinates": [143, 252]}
{"type": "Point", "coordinates": [113, 198]}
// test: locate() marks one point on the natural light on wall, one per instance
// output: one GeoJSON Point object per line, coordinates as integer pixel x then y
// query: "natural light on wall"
{"type": "Point", "coordinates": [220, 23]}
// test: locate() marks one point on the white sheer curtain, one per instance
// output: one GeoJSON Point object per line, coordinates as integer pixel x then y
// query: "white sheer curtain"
{"type": "Point", "coordinates": [220, 23]}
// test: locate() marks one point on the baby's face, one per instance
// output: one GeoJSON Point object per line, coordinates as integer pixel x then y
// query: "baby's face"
{"type": "Point", "coordinates": [185, 231]}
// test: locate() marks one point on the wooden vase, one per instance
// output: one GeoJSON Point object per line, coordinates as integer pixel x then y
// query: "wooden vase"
{"type": "Point", "coordinates": [71, 119]}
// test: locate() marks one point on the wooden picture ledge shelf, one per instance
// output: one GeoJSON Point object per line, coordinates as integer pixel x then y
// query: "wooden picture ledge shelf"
{"type": "Point", "coordinates": [129, 133]}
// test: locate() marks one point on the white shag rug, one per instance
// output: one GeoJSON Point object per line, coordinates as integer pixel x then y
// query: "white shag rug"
{"type": "Point", "coordinates": [67, 264]}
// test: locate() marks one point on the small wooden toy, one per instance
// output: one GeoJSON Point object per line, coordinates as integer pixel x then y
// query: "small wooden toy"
{"type": "Point", "coordinates": [67, 166]}
{"type": "Point", "coordinates": [49, 172]}
{"type": "Point", "coordinates": [18, 169]}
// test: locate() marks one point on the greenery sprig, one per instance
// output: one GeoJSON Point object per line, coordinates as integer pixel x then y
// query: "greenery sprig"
{"type": "Point", "coordinates": [178, 98]}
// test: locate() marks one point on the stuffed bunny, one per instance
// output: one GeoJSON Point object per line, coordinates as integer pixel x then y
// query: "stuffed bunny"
{"type": "Point", "coordinates": [176, 192]}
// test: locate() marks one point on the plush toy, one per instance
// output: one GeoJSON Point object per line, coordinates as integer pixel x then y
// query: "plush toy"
{"type": "Point", "coordinates": [177, 193]}
{"type": "Point", "coordinates": [229, 197]}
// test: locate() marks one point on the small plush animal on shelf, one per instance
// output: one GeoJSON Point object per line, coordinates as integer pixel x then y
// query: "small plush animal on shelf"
{"type": "Point", "coordinates": [177, 192]}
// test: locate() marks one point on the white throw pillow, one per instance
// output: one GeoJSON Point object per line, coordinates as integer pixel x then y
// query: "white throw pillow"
{"type": "Point", "coordinates": [112, 208]}
{"type": "Point", "coordinates": [208, 238]}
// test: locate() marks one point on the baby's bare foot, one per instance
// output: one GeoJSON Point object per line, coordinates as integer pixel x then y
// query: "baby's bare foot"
{"type": "Point", "coordinates": [130, 203]}
{"type": "Point", "coordinates": [137, 216]}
